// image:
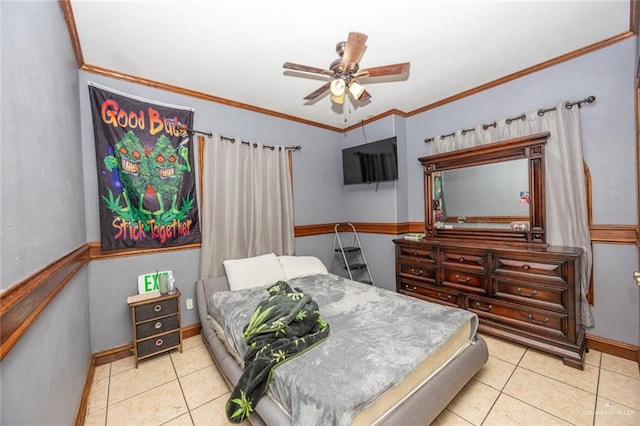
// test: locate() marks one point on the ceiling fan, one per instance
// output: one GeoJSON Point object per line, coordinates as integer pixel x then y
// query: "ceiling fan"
{"type": "Point", "coordinates": [345, 71]}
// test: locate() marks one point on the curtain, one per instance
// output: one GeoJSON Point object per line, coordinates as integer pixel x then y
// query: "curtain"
{"type": "Point", "coordinates": [567, 222]}
{"type": "Point", "coordinates": [246, 203]}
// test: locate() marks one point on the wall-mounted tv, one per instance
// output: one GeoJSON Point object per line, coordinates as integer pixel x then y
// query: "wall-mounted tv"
{"type": "Point", "coordinates": [371, 163]}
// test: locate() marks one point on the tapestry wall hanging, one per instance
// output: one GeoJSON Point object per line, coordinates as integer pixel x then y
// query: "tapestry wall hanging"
{"type": "Point", "coordinates": [146, 176]}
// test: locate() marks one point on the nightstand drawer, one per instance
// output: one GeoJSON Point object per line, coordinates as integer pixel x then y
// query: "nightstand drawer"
{"type": "Point", "coordinates": [158, 344]}
{"type": "Point", "coordinates": [158, 326]}
{"type": "Point", "coordinates": [156, 310]}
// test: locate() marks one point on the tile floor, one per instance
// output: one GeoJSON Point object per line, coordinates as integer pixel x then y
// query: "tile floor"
{"type": "Point", "coordinates": [516, 386]}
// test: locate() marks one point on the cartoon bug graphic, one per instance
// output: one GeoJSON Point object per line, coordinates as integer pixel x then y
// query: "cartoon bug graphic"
{"type": "Point", "coordinates": [130, 159]}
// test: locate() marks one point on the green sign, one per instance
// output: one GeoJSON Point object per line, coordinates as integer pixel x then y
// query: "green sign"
{"type": "Point", "coordinates": [150, 282]}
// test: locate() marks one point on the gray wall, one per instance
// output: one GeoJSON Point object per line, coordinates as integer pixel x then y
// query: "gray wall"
{"type": "Point", "coordinates": [609, 146]}
{"type": "Point", "coordinates": [52, 159]}
{"type": "Point", "coordinates": [112, 280]}
{"type": "Point", "coordinates": [41, 160]}
{"type": "Point", "coordinates": [44, 373]}
{"type": "Point", "coordinates": [42, 212]}
{"type": "Point", "coordinates": [318, 198]}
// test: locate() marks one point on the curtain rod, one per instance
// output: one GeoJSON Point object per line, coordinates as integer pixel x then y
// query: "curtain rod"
{"type": "Point", "coordinates": [541, 112]}
{"type": "Point", "coordinates": [192, 131]}
{"type": "Point", "coordinates": [232, 140]}
{"type": "Point", "coordinates": [291, 148]}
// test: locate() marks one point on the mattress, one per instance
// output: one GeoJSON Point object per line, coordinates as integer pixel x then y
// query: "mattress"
{"type": "Point", "coordinates": [441, 333]}
{"type": "Point", "coordinates": [377, 410]}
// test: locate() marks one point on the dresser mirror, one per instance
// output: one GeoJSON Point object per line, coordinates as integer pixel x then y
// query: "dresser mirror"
{"type": "Point", "coordinates": [492, 192]}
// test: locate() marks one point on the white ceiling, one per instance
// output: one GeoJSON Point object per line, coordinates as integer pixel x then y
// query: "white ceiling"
{"type": "Point", "coordinates": [234, 49]}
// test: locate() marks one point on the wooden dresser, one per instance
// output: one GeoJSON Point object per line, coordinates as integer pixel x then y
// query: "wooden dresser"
{"type": "Point", "coordinates": [527, 295]}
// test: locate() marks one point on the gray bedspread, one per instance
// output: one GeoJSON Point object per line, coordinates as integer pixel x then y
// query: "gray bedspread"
{"type": "Point", "coordinates": [377, 338]}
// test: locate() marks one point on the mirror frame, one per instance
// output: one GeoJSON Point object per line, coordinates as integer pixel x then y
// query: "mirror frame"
{"type": "Point", "coordinates": [528, 147]}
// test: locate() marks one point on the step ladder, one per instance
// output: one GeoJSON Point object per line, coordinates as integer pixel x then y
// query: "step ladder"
{"type": "Point", "coordinates": [350, 257]}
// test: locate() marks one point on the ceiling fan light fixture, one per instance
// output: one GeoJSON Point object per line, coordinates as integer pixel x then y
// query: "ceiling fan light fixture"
{"type": "Point", "coordinates": [337, 99]}
{"type": "Point", "coordinates": [356, 89]}
{"type": "Point", "coordinates": [338, 87]}
{"type": "Point", "coordinates": [344, 71]}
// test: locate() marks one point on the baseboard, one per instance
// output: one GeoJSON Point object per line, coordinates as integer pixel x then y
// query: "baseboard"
{"type": "Point", "coordinates": [612, 347]}
{"type": "Point", "coordinates": [82, 409]}
{"type": "Point", "coordinates": [114, 354]}
{"type": "Point", "coordinates": [191, 330]}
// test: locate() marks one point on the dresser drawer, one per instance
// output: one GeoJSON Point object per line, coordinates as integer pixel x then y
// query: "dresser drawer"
{"type": "Point", "coordinates": [467, 258]}
{"type": "Point", "coordinates": [158, 344]}
{"type": "Point", "coordinates": [423, 255]}
{"type": "Point", "coordinates": [465, 280]}
{"type": "Point", "coordinates": [156, 310]}
{"type": "Point", "coordinates": [538, 321]}
{"type": "Point", "coordinates": [531, 268]}
{"type": "Point", "coordinates": [436, 294]}
{"type": "Point", "coordinates": [417, 272]}
{"type": "Point", "coordinates": [539, 295]}
{"type": "Point", "coordinates": [157, 326]}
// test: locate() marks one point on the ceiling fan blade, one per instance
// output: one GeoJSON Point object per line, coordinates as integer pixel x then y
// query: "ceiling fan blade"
{"type": "Point", "coordinates": [306, 68]}
{"type": "Point", "coordinates": [353, 50]}
{"type": "Point", "coordinates": [311, 96]}
{"type": "Point", "coordinates": [384, 70]}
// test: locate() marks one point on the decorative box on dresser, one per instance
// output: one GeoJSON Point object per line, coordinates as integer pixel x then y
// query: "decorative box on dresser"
{"type": "Point", "coordinates": [527, 295]}
{"type": "Point", "coordinates": [156, 325]}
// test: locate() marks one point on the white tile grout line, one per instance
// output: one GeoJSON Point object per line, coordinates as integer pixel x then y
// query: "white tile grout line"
{"type": "Point", "coordinates": [184, 397]}
{"type": "Point", "coordinates": [595, 403]}
{"type": "Point", "coordinates": [141, 392]}
{"type": "Point", "coordinates": [106, 409]}
{"type": "Point", "coordinates": [503, 386]}
{"type": "Point", "coordinates": [537, 408]}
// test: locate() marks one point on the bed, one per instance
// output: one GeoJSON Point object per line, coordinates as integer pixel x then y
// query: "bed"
{"type": "Point", "coordinates": [389, 359]}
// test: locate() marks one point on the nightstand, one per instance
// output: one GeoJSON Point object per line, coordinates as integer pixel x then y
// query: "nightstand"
{"type": "Point", "coordinates": [156, 325]}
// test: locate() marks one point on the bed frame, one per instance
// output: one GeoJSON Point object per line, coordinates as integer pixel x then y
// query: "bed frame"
{"type": "Point", "coordinates": [422, 407]}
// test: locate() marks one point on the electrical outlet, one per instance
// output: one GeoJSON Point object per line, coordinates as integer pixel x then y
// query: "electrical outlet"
{"type": "Point", "coordinates": [189, 303]}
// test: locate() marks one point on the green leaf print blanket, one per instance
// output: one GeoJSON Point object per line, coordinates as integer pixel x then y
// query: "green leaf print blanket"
{"type": "Point", "coordinates": [284, 325]}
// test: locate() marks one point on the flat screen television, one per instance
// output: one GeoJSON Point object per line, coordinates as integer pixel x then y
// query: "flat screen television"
{"type": "Point", "coordinates": [371, 163]}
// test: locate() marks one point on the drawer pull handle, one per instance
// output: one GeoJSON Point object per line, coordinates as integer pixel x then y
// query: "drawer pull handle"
{"type": "Point", "coordinates": [521, 293]}
{"type": "Point", "coordinates": [462, 280]}
{"type": "Point", "coordinates": [157, 308]}
{"type": "Point", "coordinates": [410, 287]}
{"type": "Point", "coordinates": [534, 321]}
{"type": "Point", "coordinates": [484, 308]}
{"type": "Point", "coordinates": [414, 272]}
{"type": "Point", "coordinates": [157, 325]}
{"type": "Point", "coordinates": [445, 298]}
{"type": "Point", "coordinates": [415, 253]}
{"type": "Point", "coordinates": [461, 259]}
{"type": "Point", "coordinates": [159, 342]}
{"type": "Point", "coordinates": [526, 267]}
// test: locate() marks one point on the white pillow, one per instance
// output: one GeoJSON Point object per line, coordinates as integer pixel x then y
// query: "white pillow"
{"type": "Point", "coordinates": [301, 266]}
{"type": "Point", "coordinates": [253, 271]}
